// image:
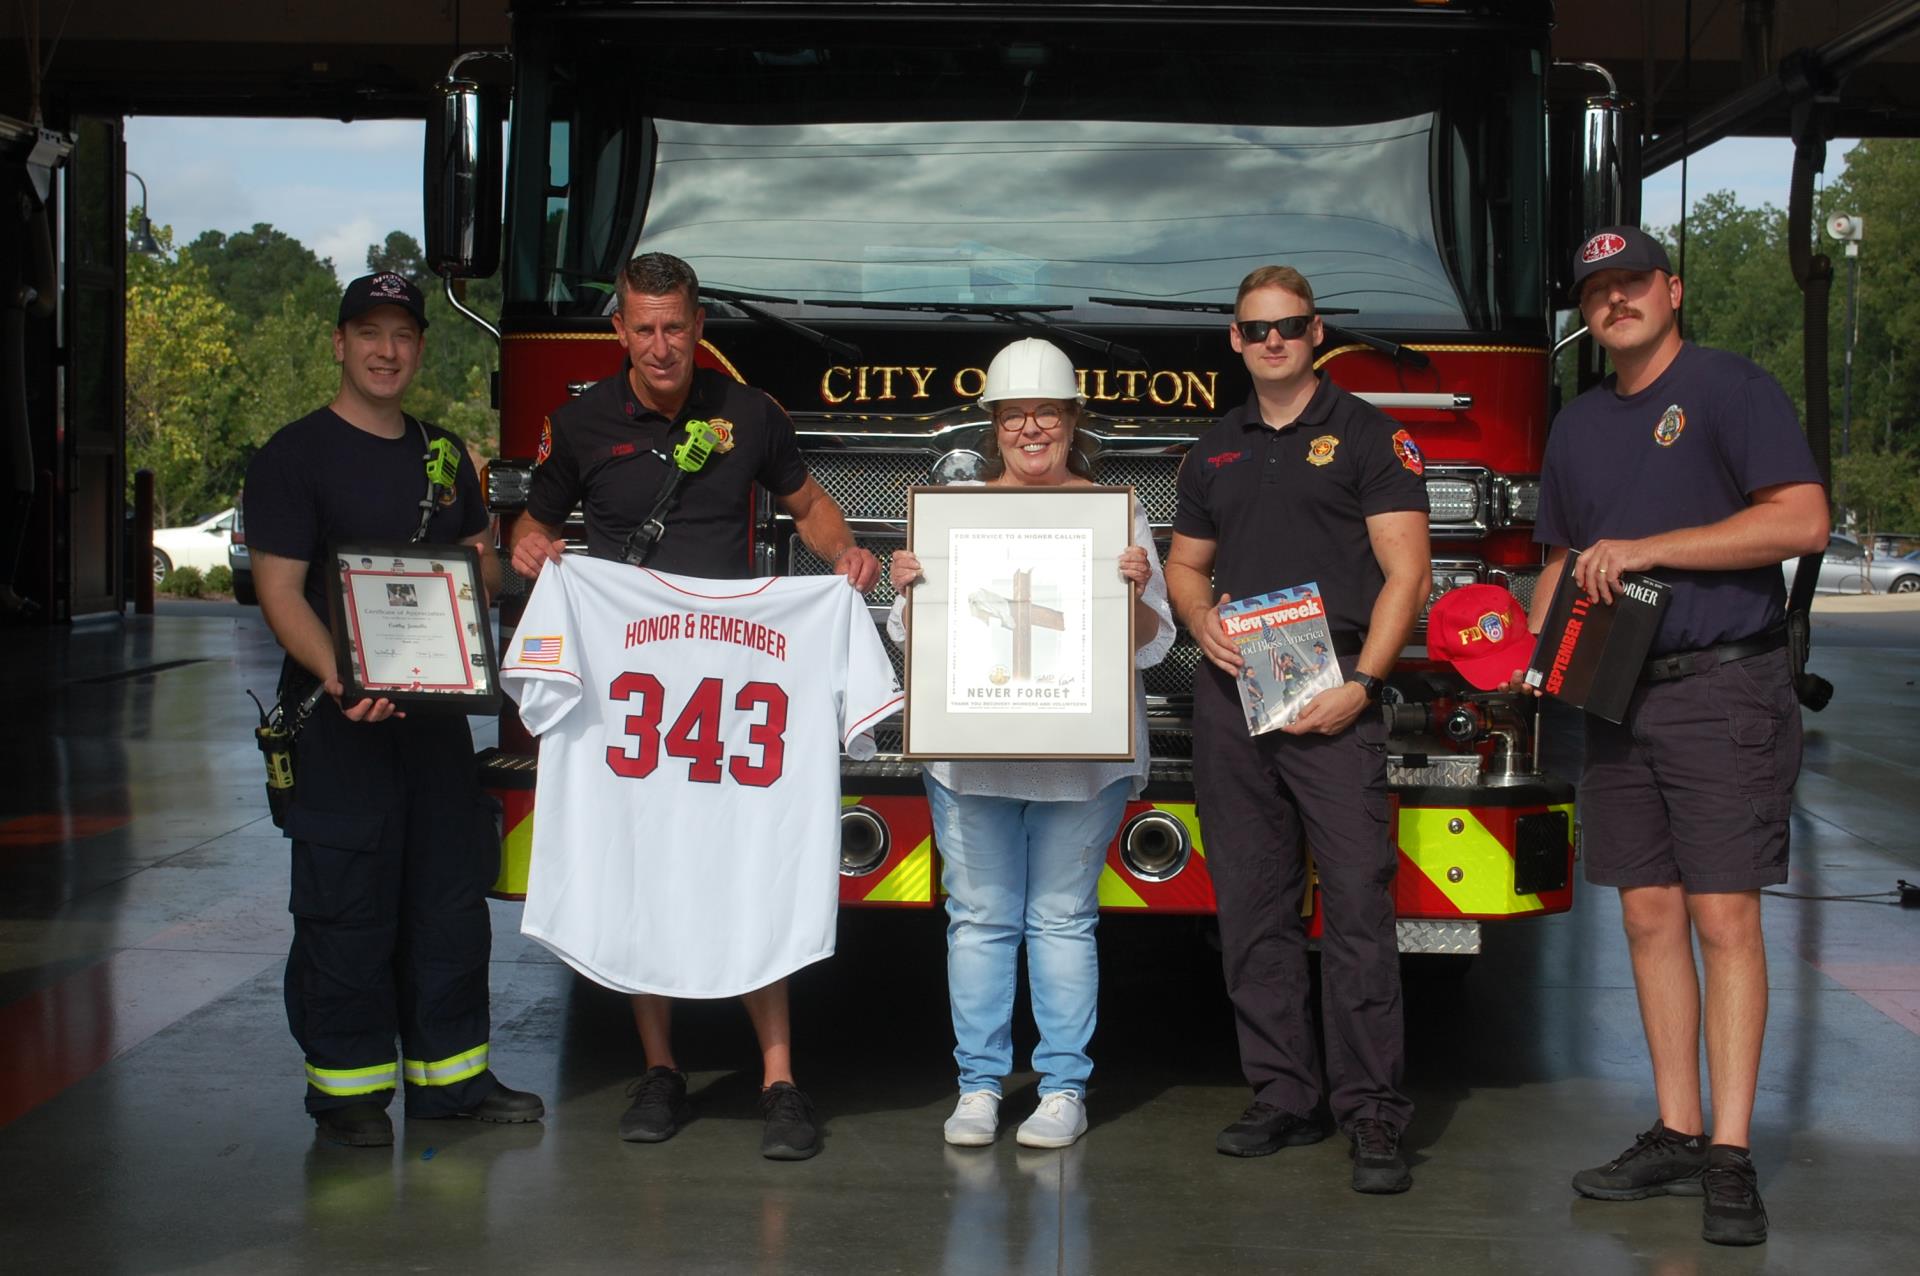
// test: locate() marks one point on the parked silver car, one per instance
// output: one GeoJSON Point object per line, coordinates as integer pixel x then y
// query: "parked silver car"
{"type": "Point", "coordinates": [1847, 568]}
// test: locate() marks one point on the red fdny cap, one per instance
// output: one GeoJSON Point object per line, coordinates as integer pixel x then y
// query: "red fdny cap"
{"type": "Point", "coordinates": [1481, 630]}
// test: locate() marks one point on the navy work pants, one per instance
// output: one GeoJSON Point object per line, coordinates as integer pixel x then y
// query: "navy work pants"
{"type": "Point", "coordinates": [394, 849]}
{"type": "Point", "coordinates": [1263, 801]}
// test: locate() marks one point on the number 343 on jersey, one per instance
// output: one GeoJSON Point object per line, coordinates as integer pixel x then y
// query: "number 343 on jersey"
{"type": "Point", "coordinates": [700, 730]}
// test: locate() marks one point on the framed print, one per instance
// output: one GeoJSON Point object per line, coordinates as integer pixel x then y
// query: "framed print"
{"type": "Point", "coordinates": [1020, 637]}
{"type": "Point", "coordinates": [410, 624]}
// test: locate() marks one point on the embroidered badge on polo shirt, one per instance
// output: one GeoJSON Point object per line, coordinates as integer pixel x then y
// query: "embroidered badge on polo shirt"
{"type": "Point", "coordinates": [724, 429]}
{"type": "Point", "coordinates": [1409, 452]}
{"type": "Point", "coordinates": [1320, 451]}
{"type": "Point", "coordinates": [1672, 421]}
{"type": "Point", "coordinates": [545, 449]}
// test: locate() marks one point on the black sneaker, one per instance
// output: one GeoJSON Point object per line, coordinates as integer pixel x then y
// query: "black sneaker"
{"type": "Point", "coordinates": [1379, 1166]}
{"type": "Point", "coordinates": [790, 1134]}
{"type": "Point", "coordinates": [659, 1107]}
{"type": "Point", "coordinates": [358, 1125]}
{"type": "Point", "coordinates": [506, 1106]}
{"type": "Point", "coordinates": [1733, 1214]}
{"type": "Point", "coordinates": [1660, 1163]}
{"type": "Point", "coordinates": [1264, 1129]}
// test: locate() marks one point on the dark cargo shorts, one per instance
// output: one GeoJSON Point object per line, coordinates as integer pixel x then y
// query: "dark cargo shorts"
{"type": "Point", "coordinates": [1696, 786]}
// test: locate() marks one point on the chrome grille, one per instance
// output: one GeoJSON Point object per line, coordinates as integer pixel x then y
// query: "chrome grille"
{"type": "Point", "coordinates": [804, 562]}
{"type": "Point", "coordinates": [1151, 475]}
{"type": "Point", "coordinates": [1173, 677]}
{"type": "Point", "coordinates": [1520, 582]}
{"type": "Point", "coordinates": [870, 483]}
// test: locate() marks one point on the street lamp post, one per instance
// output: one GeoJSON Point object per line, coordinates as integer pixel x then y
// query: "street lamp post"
{"type": "Point", "coordinates": [1849, 229]}
{"type": "Point", "coordinates": [143, 240]}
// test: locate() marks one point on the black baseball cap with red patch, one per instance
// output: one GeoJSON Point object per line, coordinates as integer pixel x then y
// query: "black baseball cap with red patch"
{"type": "Point", "coordinates": [382, 289]}
{"type": "Point", "coordinates": [1618, 248]}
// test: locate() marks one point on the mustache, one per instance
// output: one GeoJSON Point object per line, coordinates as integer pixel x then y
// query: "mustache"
{"type": "Point", "coordinates": [1623, 312]}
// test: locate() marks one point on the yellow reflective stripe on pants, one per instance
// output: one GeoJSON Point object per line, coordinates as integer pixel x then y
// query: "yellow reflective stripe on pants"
{"type": "Point", "coordinates": [346, 1081]}
{"type": "Point", "coordinates": [458, 1067]}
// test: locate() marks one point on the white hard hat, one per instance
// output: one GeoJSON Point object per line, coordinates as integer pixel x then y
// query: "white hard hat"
{"type": "Point", "coordinates": [1030, 368]}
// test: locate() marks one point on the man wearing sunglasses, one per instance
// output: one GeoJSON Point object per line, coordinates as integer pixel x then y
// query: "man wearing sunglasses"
{"type": "Point", "coordinates": [1303, 482]}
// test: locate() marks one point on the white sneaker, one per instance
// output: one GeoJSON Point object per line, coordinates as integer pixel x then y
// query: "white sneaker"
{"type": "Point", "coordinates": [1056, 1123]}
{"type": "Point", "coordinates": [975, 1119]}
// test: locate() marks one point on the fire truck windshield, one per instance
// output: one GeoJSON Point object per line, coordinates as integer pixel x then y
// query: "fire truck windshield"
{"type": "Point", "coordinates": [1041, 172]}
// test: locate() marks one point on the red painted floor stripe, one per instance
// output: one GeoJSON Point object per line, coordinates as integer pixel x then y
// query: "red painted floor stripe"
{"type": "Point", "coordinates": [1892, 990]}
{"type": "Point", "coordinates": [53, 827]}
{"type": "Point", "coordinates": [65, 1032]}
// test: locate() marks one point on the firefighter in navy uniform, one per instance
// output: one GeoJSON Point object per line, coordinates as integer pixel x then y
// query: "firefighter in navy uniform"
{"type": "Point", "coordinates": [1688, 463]}
{"type": "Point", "coordinates": [394, 844]}
{"type": "Point", "coordinates": [1304, 482]}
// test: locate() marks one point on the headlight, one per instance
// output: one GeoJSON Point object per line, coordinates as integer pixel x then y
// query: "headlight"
{"type": "Point", "coordinates": [508, 483]}
{"type": "Point", "coordinates": [1523, 500]}
{"type": "Point", "coordinates": [1453, 500]}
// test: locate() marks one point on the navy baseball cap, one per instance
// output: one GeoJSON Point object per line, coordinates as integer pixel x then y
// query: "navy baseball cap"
{"type": "Point", "coordinates": [1618, 248]}
{"type": "Point", "coordinates": [383, 289]}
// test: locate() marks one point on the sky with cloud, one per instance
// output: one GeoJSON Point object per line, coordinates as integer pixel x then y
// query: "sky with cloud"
{"type": "Point", "coordinates": [340, 187]}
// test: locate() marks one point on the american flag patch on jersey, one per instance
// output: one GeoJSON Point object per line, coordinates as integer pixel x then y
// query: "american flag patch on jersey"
{"type": "Point", "coordinates": [540, 651]}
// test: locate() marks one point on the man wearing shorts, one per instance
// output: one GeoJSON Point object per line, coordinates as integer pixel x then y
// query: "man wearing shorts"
{"type": "Point", "coordinates": [1688, 464]}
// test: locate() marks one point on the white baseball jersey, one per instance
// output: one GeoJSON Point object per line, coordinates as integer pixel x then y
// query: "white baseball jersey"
{"type": "Point", "coordinates": [686, 835]}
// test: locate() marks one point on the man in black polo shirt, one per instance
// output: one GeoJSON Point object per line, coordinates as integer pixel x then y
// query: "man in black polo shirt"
{"type": "Point", "coordinates": [1690, 464]}
{"type": "Point", "coordinates": [1303, 483]}
{"type": "Point", "coordinates": [606, 451]}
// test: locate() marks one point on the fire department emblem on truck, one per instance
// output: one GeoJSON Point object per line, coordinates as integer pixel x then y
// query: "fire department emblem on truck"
{"type": "Point", "coordinates": [1672, 421]}
{"type": "Point", "coordinates": [1320, 451]}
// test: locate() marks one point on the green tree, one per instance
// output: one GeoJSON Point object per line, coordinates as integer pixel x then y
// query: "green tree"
{"type": "Point", "coordinates": [1881, 184]}
{"type": "Point", "coordinates": [252, 270]}
{"type": "Point", "coordinates": [180, 359]}
{"type": "Point", "coordinates": [454, 388]}
{"type": "Point", "coordinates": [1881, 490]}
{"type": "Point", "coordinates": [401, 254]}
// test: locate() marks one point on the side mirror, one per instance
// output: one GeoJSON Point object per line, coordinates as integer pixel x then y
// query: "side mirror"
{"type": "Point", "coordinates": [461, 182]}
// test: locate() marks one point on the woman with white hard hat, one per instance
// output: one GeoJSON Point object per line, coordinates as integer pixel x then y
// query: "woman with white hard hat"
{"type": "Point", "coordinates": [1022, 844]}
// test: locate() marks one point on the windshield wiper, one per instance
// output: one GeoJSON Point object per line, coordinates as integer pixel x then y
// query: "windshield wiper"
{"type": "Point", "coordinates": [1392, 349]}
{"type": "Point", "coordinates": [1018, 315]}
{"type": "Point", "coordinates": [744, 303]}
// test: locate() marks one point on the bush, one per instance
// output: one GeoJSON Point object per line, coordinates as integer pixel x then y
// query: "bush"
{"type": "Point", "coordinates": [184, 582]}
{"type": "Point", "coordinates": [220, 580]}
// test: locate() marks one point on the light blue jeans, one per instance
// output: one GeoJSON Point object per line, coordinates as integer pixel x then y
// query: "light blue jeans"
{"type": "Point", "coordinates": [1014, 870]}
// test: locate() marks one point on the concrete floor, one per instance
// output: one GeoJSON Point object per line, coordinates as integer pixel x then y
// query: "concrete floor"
{"type": "Point", "coordinates": [150, 1112]}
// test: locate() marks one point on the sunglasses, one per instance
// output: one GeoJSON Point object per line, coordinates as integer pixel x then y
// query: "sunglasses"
{"type": "Point", "coordinates": [1291, 328]}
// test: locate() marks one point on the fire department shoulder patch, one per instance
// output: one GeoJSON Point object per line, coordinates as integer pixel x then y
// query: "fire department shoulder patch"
{"type": "Point", "coordinates": [1320, 451]}
{"type": "Point", "coordinates": [545, 449]}
{"type": "Point", "coordinates": [1408, 452]}
{"type": "Point", "coordinates": [724, 428]}
{"type": "Point", "coordinates": [1671, 422]}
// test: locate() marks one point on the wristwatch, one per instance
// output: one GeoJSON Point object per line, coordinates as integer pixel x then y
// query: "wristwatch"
{"type": "Point", "coordinates": [1368, 683]}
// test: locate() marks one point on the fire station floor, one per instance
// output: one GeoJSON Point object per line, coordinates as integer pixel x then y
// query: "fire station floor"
{"type": "Point", "coordinates": [150, 1114]}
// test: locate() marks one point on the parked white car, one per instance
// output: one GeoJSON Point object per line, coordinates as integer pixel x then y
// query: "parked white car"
{"type": "Point", "coordinates": [202, 545]}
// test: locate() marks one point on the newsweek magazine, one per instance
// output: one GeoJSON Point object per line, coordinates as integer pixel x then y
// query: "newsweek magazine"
{"type": "Point", "coordinates": [1288, 649]}
{"type": "Point", "coordinates": [1590, 654]}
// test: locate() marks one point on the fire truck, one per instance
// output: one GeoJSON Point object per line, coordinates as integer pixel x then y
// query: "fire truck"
{"type": "Point", "coordinates": [878, 196]}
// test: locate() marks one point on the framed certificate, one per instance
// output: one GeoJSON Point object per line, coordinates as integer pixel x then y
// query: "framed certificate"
{"type": "Point", "coordinates": [410, 624]}
{"type": "Point", "coordinates": [1020, 637]}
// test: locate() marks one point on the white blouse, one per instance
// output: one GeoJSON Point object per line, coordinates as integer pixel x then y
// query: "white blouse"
{"type": "Point", "coordinates": [1063, 781]}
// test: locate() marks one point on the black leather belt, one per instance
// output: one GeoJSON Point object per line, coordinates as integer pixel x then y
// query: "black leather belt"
{"type": "Point", "coordinates": [1684, 664]}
